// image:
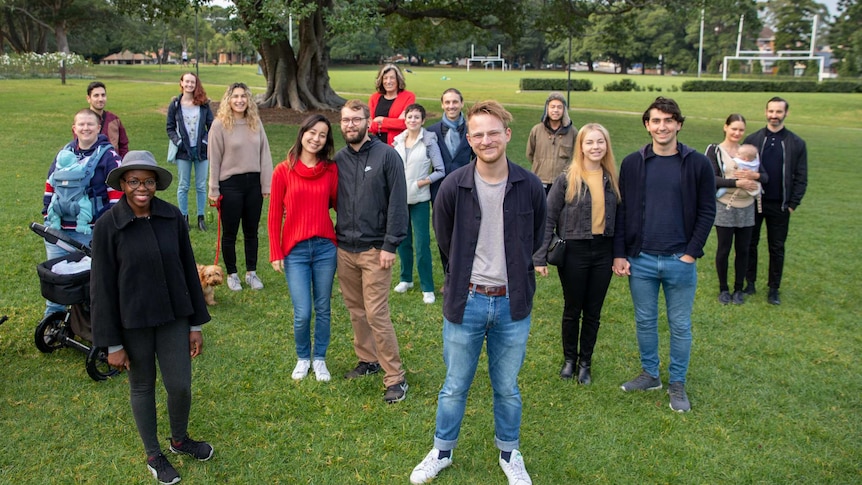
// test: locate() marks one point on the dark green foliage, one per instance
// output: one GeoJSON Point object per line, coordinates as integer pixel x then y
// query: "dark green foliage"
{"type": "Point", "coordinates": [773, 86]}
{"type": "Point", "coordinates": [623, 85]}
{"type": "Point", "coordinates": [531, 84]}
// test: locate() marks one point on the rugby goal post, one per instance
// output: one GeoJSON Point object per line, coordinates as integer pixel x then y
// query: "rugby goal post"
{"type": "Point", "coordinates": [791, 55]}
{"type": "Point", "coordinates": [486, 59]}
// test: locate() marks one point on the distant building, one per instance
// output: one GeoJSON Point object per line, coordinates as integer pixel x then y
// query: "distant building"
{"type": "Point", "coordinates": [127, 57]}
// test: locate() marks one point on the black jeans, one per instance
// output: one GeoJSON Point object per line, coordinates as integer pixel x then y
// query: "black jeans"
{"type": "Point", "coordinates": [726, 236]}
{"type": "Point", "coordinates": [777, 225]}
{"type": "Point", "coordinates": [585, 278]}
{"type": "Point", "coordinates": [170, 344]}
{"type": "Point", "coordinates": [242, 201]}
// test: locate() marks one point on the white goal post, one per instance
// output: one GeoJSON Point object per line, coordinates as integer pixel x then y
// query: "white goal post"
{"type": "Point", "coordinates": [807, 55]}
{"type": "Point", "coordinates": [485, 59]}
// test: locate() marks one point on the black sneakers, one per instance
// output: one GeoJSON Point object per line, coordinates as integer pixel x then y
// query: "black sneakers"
{"type": "Point", "coordinates": [363, 369]}
{"type": "Point", "coordinates": [395, 393]}
{"type": "Point", "coordinates": [200, 450]}
{"type": "Point", "coordinates": [162, 470]}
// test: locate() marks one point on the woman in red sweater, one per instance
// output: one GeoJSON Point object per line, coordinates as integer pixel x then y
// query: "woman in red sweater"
{"type": "Point", "coordinates": [387, 105]}
{"type": "Point", "coordinates": [302, 238]}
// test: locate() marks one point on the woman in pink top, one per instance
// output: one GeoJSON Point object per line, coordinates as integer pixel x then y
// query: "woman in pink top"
{"type": "Point", "coordinates": [302, 238]}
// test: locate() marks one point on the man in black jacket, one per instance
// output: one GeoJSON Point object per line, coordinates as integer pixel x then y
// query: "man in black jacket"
{"type": "Point", "coordinates": [662, 224]}
{"type": "Point", "coordinates": [372, 222]}
{"type": "Point", "coordinates": [785, 159]}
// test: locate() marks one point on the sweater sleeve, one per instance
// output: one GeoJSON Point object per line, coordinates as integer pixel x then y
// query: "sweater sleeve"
{"type": "Point", "coordinates": [394, 122]}
{"type": "Point", "coordinates": [104, 290]}
{"type": "Point", "coordinates": [396, 217]}
{"type": "Point", "coordinates": [171, 123]}
{"type": "Point", "coordinates": [276, 212]}
{"type": "Point", "coordinates": [705, 210]}
{"type": "Point", "coordinates": [265, 163]}
{"type": "Point", "coordinates": [439, 170]}
{"type": "Point", "coordinates": [215, 153]}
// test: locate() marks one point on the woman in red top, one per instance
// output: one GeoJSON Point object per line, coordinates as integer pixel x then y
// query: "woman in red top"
{"type": "Point", "coordinates": [387, 105]}
{"type": "Point", "coordinates": [302, 238]}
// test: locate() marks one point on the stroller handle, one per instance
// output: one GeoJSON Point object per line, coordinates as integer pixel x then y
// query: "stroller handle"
{"type": "Point", "coordinates": [59, 238]}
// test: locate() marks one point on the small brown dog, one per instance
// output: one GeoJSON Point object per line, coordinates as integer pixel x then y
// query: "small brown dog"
{"type": "Point", "coordinates": [210, 276]}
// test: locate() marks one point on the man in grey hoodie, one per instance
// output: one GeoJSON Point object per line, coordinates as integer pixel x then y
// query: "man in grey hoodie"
{"type": "Point", "coordinates": [551, 143]}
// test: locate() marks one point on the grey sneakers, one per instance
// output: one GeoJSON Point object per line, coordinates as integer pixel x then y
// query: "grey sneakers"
{"type": "Point", "coordinates": [643, 382]}
{"type": "Point", "coordinates": [678, 398]}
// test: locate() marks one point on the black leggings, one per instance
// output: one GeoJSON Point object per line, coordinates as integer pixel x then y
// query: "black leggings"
{"type": "Point", "coordinates": [170, 344]}
{"type": "Point", "coordinates": [242, 200]}
{"type": "Point", "coordinates": [585, 278]}
{"type": "Point", "coordinates": [726, 236]}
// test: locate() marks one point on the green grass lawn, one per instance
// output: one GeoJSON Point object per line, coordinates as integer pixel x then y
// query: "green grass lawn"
{"type": "Point", "coordinates": [775, 390]}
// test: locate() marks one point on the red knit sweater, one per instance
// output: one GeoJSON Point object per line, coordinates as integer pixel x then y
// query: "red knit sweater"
{"type": "Point", "coordinates": [299, 205]}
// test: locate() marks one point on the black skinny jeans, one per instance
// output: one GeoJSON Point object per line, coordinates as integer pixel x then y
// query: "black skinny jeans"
{"type": "Point", "coordinates": [777, 226]}
{"type": "Point", "coordinates": [585, 278]}
{"type": "Point", "coordinates": [726, 236]}
{"type": "Point", "coordinates": [170, 344]}
{"type": "Point", "coordinates": [242, 201]}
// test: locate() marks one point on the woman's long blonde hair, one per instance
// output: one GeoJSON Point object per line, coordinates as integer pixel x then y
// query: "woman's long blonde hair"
{"type": "Point", "coordinates": [575, 173]}
{"type": "Point", "coordinates": [225, 113]}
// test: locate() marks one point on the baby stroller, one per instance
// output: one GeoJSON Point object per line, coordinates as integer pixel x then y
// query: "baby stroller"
{"type": "Point", "coordinates": [59, 329]}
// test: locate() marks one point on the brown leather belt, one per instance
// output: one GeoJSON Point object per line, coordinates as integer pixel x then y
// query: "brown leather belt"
{"type": "Point", "coordinates": [488, 290]}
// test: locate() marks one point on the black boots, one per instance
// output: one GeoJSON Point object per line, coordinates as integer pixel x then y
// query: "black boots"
{"type": "Point", "coordinates": [186, 217]}
{"type": "Point", "coordinates": [201, 224]}
{"type": "Point", "coordinates": [584, 376]}
{"type": "Point", "coordinates": [568, 370]}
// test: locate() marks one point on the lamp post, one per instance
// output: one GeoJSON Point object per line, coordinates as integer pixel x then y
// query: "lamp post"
{"type": "Point", "coordinates": [197, 54]}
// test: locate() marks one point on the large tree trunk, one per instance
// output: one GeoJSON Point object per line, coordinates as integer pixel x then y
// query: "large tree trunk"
{"type": "Point", "coordinates": [299, 80]}
{"type": "Point", "coordinates": [60, 36]}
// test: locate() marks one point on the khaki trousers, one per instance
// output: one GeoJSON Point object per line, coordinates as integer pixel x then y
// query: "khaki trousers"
{"type": "Point", "coordinates": [365, 288]}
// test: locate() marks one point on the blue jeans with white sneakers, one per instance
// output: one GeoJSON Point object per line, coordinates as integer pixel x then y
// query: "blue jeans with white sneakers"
{"type": "Point", "coordinates": [485, 318]}
{"type": "Point", "coordinates": [309, 269]}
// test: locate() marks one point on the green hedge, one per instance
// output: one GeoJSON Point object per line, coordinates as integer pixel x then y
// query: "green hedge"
{"type": "Point", "coordinates": [773, 86]}
{"type": "Point", "coordinates": [529, 84]}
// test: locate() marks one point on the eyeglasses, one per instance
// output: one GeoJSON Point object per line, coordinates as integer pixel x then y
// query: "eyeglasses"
{"type": "Point", "coordinates": [352, 121]}
{"type": "Point", "coordinates": [478, 137]}
{"type": "Point", "coordinates": [135, 183]}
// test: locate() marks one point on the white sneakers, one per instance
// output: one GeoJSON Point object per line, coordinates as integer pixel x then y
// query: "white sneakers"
{"type": "Point", "coordinates": [428, 468]}
{"type": "Point", "coordinates": [321, 373]}
{"type": "Point", "coordinates": [428, 297]}
{"type": "Point", "coordinates": [515, 469]}
{"type": "Point", "coordinates": [301, 369]}
{"type": "Point", "coordinates": [233, 282]}
{"type": "Point", "coordinates": [253, 280]}
{"type": "Point", "coordinates": [403, 287]}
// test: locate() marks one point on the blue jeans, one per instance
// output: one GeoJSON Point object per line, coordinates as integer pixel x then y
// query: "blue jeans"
{"type": "Point", "coordinates": [184, 173]}
{"type": "Point", "coordinates": [309, 270]}
{"type": "Point", "coordinates": [679, 281]}
{"type": "Point", "coordinates": [418, 228]}
{"type": "Point", "coordinates": [485, 317]}
{"type": "Point", "coordinates": [54, 251]}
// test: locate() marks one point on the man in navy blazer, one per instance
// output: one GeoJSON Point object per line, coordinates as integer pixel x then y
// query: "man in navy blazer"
{"type": "Point", "coordinates": [454, 147]}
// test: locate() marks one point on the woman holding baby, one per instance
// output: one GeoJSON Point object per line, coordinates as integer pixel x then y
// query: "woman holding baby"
{"type": "Point", "coordinates": [738, 175]}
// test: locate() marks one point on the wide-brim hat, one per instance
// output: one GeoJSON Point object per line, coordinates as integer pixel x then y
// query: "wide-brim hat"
{"type": "Point", "coordinates": [140, 160]}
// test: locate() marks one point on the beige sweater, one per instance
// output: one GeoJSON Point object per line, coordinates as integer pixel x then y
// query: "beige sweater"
{"type": "Point", "coordinates": [238, 151]}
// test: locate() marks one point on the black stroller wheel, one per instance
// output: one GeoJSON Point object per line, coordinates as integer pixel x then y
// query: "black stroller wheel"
{"type": "Point", "coordinates": [50, 332]}
{"type": "Point", "coordinates": [97, 364]}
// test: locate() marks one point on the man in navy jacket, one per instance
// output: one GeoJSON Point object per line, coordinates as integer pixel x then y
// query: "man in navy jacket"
{"type": "Point", "coordinates": [662, 223]}
{"type": "Point", "coordinates": [451, 134]}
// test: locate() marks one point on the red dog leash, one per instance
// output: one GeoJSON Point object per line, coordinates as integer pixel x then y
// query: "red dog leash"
{"type": "Point", "coordinates": [217, 205]}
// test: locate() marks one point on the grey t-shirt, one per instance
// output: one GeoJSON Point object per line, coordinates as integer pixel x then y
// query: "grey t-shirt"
{"type": "Point", "coordinates": [489, 262]}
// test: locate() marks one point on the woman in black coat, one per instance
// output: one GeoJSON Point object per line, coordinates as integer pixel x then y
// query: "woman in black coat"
{"type": "Point", "coordinates": [147, 304]}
